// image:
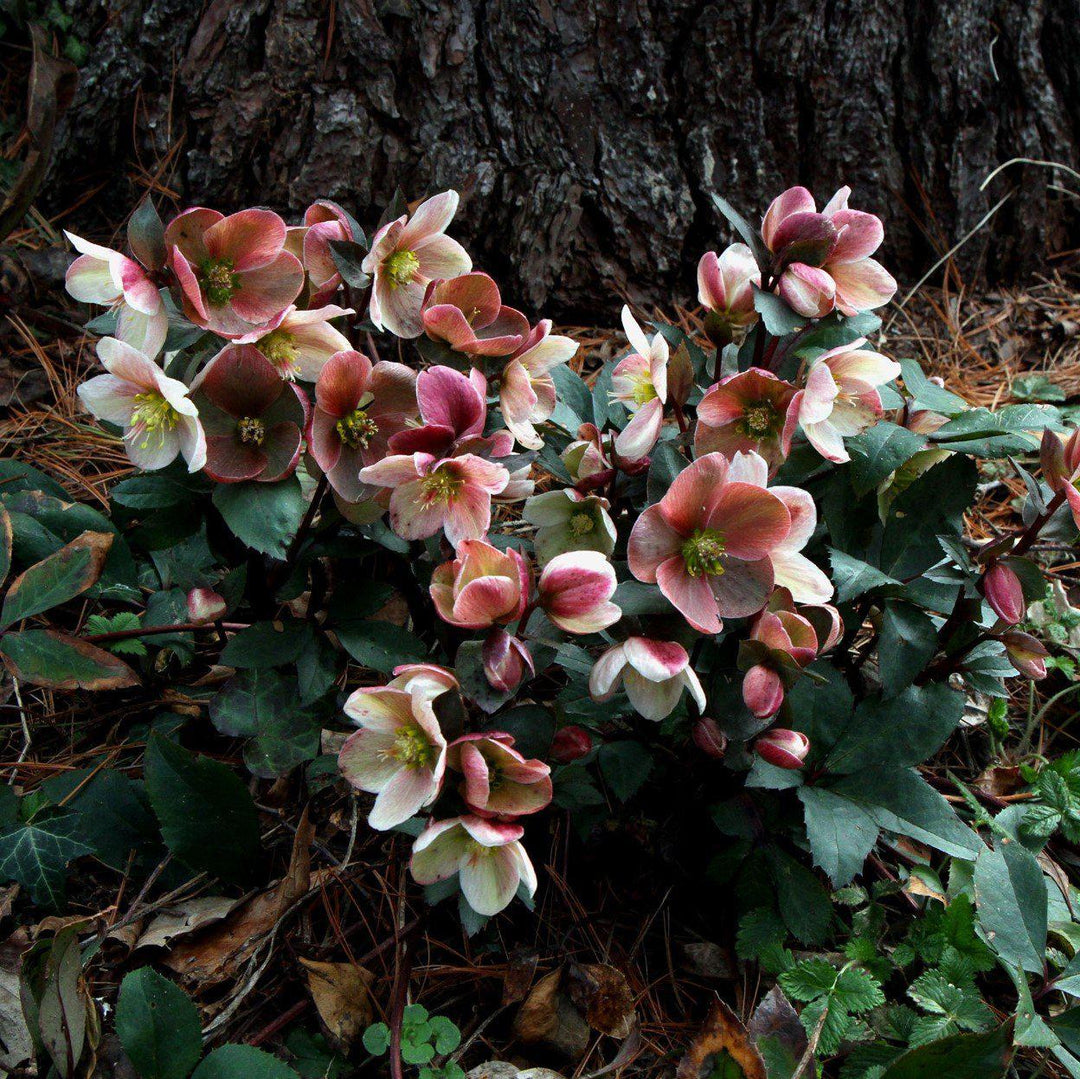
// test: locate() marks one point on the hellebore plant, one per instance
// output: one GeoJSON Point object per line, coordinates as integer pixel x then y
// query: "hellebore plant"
{"type": "Point", "coordinates": [515, 565]}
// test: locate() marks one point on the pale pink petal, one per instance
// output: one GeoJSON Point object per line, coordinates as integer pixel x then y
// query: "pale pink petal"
{"type": "Point", "coordinates": [484, 600]}
{"type": "Point", "coordinates": [634, 333]}
{"type": "Point", "coordinates": [860, 235]}
{"type": "Point", "coordinates": [807, 290]}
{"type": "Point", "coordinates": [109, 398]}
{"type": "Point", "coordinates": [90, 280]}
{"type": "Point", "coordinates": [268, 289]}
{"type": "Point", "coordinates": [652, 700]}
{"type": "Point", "coordinates": [794, 200]}
{"type": "Point", "coordinates": [144, 332]}
{"type": "Point", "coordinates": [762, 691]}
{"type": "Point", "coordinates": [490, 881]}
{"type": "Point", "coordinates": [605, 673]}
{"type": "Point", "coordinates": [249, 239]}
{"type": "Point", "coordinates": [795, 572]}
{"type": "Point", "coordinates": [743, 588]}
{"type": "Point", "coordinates": [752, 521]}
{"type": "Point", "coordinates": [439, 851]}
{"type": "Point", "coordinates": [693, 684]}
{"type": "Point", "coordinates": [711, 292]}
{"type": "Point", "coordinates": [403, 797]}
{"type": "Point", "coordinates": [379, 708]}
{"type": "Point", "coordinates": [656, 660]}
{"type": "Point", "coordinates": [652, 541]}
{"type": "Point", "coordinates": [862, 286]}
{"type": "Point", "coordinates": [469, 516]}
{"type": "Point", "coordinates": [694, 493]}
{"type": "Point", "coordinates": [431, 216]}
{"type": "Point", "coordinates": [825, 439]}
{"type": "Point", "coordinates": [366, 762]}
{"type": "Point", "coordinates": [691, 596]}
{"type": "Point", "coordinates": [803, 513]}
{"type": "Point", "coordinates": [818, 397]}
{"type": "Point", "coordinates": [863, 366]}
{"type": "Point", "coordinates": [441, 257]}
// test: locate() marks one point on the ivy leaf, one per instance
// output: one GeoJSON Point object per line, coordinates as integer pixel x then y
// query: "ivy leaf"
{"type": "Point", "coordinates": [36, 855]}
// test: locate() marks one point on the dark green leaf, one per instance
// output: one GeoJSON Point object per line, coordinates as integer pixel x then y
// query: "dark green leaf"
{"type": "Point", "coordinates": [266, 645]}
{"type": "Point", "coordinates": [878, 452]}
{"type": "Point", "coordinates": [380, 645]}
{"type": "Point", "coordinates": [36, 855]}
{"type": "Point", "coordinates": [1010, 897]}
{"type": "Point", "coordinates": [146, 234]}
{"type": "Point", "coordinates": [841, 833]}
{"type": "Point", "coordinates": [821, 710]}
{"type": "Point", "coordinates": [927, 394]}
{"type": "Point", "coordinates": [261, 704]}
{"type": "Point", "coordinates": [746, 232]}
{"type": "Point", "coordinates": [665, 464]}
{"type": "Point", "coordinates": [348, 257]}
{"type": "Point", "coordinates": [242, 1062]}
{"type": "Point", "coordinates": [854, 577]}
{"type": "Point", "coordinates": [803, 901]}
{"type": "Point", "coordinates": [157, 491]}
{"type": "Point", "coordinates": [907, 644]}
{"type": "Point", "coordinates": [265, 516]}
{"type": "Point", "coordinates": [625, 766]}
{"type": "Point", "coordinates": [900, 732]}
{"type": "Point", "coordinates": [48, 658]}
{"type": "Point", "coordinates": [777, 317]}
{"type": "Point", "coordinates": [158, 1026]}
{"type": "Point", "coordinates": [58, 578]}
{"type": "Point", "coordinates": [206, 814]}
{"type": "Point", "coordinates": [962, 1056]}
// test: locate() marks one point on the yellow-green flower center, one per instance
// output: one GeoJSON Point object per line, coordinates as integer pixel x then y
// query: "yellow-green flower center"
{"type": "Point", "coordinates": [441, 485]}
{"type": "Point", "coordinates": [412, 748]}
{"type": "Point", "coordinates": [281, 349]}
{"type": "Point", "coordinates": [400, 267]}
{"type": "Point", "coordinates": [703, 553]}
{"type": "Point", "coordinates": [581, 524]}
{"type": "Point", "coordinates": [357, 429]}
{"type": "Point", "coordinates": [252, 431]}
{"type": "Point", "coordinates": [759, 420]}
{"type": "Point", "coordinates": [151, 415]}
{"type": "Point", "coordinates": [218, 281]}
{"type": "Point", "coordinates": [644, 391]}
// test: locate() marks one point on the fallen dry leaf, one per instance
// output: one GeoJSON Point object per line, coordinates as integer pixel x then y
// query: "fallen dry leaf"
{"type": "Point", "coordinates": [775, 1020]}
{"type": "Point", "coordinates": [547, 1017]}
{"type": "Point", "coordinates": [16, 1045]}
{"type": "Point", "coordinates": [722, 1032]}
{"type": "Point", "coordinates": [500, 1069]}
{"type": "Point", "coordinates": [341, 992]}
{"type": "Point", "coordinates": [184, 918]}
{"type": "Point", "coordinates": [602, 994]}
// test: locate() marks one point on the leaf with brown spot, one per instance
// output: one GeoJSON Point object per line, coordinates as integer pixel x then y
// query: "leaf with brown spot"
{"type": "Point", "coordinates": [5, 544]}
{"type": "Point", "coordinates": [64, 575]}
{"type": "Point", "coordinates": [722, 1032]}
{"type": "Point", "coordinates": [777, 1031]}
{"type": "Point", "coordinates": [342, 996]}
{"type": "Point", "coordinates": [45, 657]}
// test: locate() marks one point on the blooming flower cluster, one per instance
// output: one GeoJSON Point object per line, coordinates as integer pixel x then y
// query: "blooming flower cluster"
{"type": "Point", "coordinates": [669, 514]}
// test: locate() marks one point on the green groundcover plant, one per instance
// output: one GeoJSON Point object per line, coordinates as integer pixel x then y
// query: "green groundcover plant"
{"type": "Point", "coordinates": [553, 588]}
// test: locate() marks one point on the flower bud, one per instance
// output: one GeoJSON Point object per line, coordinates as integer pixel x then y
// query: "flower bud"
{"type": "Point", "coordinates": [1004, 593]}
{"type": "Point", "coordinates": [205, 605]}
{"type": "Point", "coordinates": [505, 660]}
{"type": "Point", "coordinates": [1026, 653]}
{"type": "Point", "coordinates": [709, 738]}
{"type": "Point", "coordinates": [570, 744]}
{"type": "Point", "coordinates": [783, 748]}
{"type": "Point", "coordinates": [763, 691]}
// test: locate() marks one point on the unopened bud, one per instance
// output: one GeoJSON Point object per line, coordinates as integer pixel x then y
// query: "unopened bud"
{"type": "Point", "coordinates": [1026, 653]}
{"type": "Point", "coordinates": [783, 748]}
{"type": "Point", "coordinates": [709, 738]}
{"type": "Point", "coordinates": [570, 744]}
{"type": "Point", "coordinates": [205, 605]}
{"type": "Point", "coordinates": [1004, 593]}
{"type": "Point", "coordinates": [762, 691]}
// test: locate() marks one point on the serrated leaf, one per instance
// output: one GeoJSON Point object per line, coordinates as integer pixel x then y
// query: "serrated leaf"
{"type": "Point", "coordinates": [265, 516]}
{"type": "Point", "coordinates": [853, 577]}
{"type": "Point", "coordinates": [158, 1026]}
{"type": "Point", "coordinates": [380, 645]}
{"type": "Point", "coordinates": [908, 642]}
{"type": "Point", "coordinates": [242, 1062]}
{"type": "Point", "coordinates": [841, 833]}
{"type": "Point", "coordinates": [878, 452]}
{"type": "Point", "coordinates": [961, 1056]}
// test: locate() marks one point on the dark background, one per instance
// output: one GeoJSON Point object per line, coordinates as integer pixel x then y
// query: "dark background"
{"type": "Point", "coordinates": [588, 137]}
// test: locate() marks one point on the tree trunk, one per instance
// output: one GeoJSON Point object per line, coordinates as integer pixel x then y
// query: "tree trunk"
{"type": "Point", "coordinates": [590, 135]}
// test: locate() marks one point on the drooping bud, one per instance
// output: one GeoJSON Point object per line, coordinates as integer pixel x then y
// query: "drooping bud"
{"type": "Point", "coordinates": [783, 748]}
{"type": "Point", "coordinates": [1026, 653]}
{"type": "Point", "coordinates": [505, 660]}
{"type": "Point", "coordinates": [763, 691]}
{"type": "Point", "coordinates": [205, 605]}
{"type": "Point", "coordinates": [1004, 593]}
{"type": "Point", "coordinates": [570, 744]}
{"type": "Point", "coordinates": [709, 738]}
{"type": "Point", "coordinates": [1052, 459]}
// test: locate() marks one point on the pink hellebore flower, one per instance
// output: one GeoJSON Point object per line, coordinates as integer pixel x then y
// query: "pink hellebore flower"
{"type": "Point", "coordinates": [640, 383]}
{"type": "Point", "coordinates": [324, 222]}
{"type": "Point", "coordinates": [481, 586]}
{"type": "Point", "coordinates": [399, 753]}
{"type": "Point", "coordinates": [783, 748]}
{"type": "Point", "coordinates": [782, 641]}
{"type": "Point", "coordinates": [708, 542]}
{"type": "Point", "coordinates": [453, 413]}
{"type": "Point", "coordinates": [527, 390]}
{"type": "Point", "coordinates": [298, 343]}
{"type": "Point", "coordinates": [254, 422]}
{"type": "Point", "coordinates": [841, 397]}
{"type": "Point", "coordinates": [234, 272]}
{"type": "Point", "coordinates": [1060, 458]}
{"type": "Point", "coordinates": [726, 285]}
{"type": "Point", "coordinates": [749, 411]}
{"type": "Point", "coordinates": [358, 408]}
{"type": "Point", "coordinates": [1004, 593]}
{"type": "Point", "coordinates": [575, 591]}
{"type": "Point", "coordinates": [823, 258]}
{"type": "Point", "coordinates": [1026, 653]}
{"type": "Point", "coordinates": [653, 673]}
{"type": "Point", "coordinates": [792, 570]}
{"type": "Point", "coordinates": [424, 680]}
{"type": "Point", "coordinates": [505, 660]}
{"type": "Point", "coordinates": [405, 255]}
{"type": "Point", "coordinates": [487, 855]}
{"type": "Point", "coordinates": [467, 314]}
{"type": "Point", "coordinates": [158, 417]}
{"type": "Point", "coordinates": [499, 782]}
{"type": "Point", "coordinates": [103, 276]}
{"type": "Point", "coordinates": [429, 493]}
{"type": "Point", "coordinates": [586, 460]}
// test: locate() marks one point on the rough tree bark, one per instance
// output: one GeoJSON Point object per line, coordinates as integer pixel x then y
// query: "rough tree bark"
{"type": "Point", "coordinates": [590, 134]}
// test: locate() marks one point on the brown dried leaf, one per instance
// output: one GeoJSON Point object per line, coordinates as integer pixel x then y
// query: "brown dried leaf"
{"type": "Point", "coordinates": [184, 918]}
{"type": "Point", "coordinates": [775, 1018]}
{"type": "Point", "coordinates": [548, 1018]}
{"type": "Point", "coordinates": [722, 1032]}
{"type": "Point", "coordinates": [341, 992]}
{"type": "Point", "coordinates": [602, 994]}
